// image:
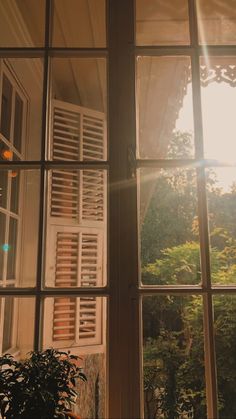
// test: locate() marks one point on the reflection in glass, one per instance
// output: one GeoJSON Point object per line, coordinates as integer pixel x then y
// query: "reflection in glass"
{"type": "Point", "coordinates": [21, 108]}
{"type": "Point", "coordinates": [19, 230]}
{"type": "Point", "coordinates": [225, 338]}
{"type": "Point", "coordinates": [80, 25]}
{"type": "Point", "coordinates": [162, 22]}
{"type": "Point", "coordinates": [18, 122]}
{"type": "Point", "coordinates": [76, 228]}
{"type": "Point", "coordinates": [221, 193]}
{"type": "Point", "coordinates": [6, 107]}
{"type": "Point", "coordinates": [2, 242]}
{"type": "Point", "coordinates": [169, 227]}
{"type": "Point", "coordinates": [3, 188]}
{"type": "Point", "coordinates": [173, 357]}
{"type": "Point", "coordinates": [216, 22]}
{"type": "Point", "coordinates": [22, 23]}
{"type": "Point", "coordinates": [79, 325]}
{"type": "Point", "coordinates": [218, 94]}
{"type": "Point", "coordinates": [164, 103]}
{"type": "Point", "coordinates": [11, 260]}
{"type": "Point", "coordinates": [8, 324]}
{"type": "Point", "coordinates": [14, 176]}
{"type": "Point", "coordinates": [17, 325]}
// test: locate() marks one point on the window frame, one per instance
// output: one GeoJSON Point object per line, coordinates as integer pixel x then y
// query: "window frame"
{"type": "Point", "coordinates": [124, 291]}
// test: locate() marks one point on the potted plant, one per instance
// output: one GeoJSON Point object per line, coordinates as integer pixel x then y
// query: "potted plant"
{"type": "Point", "coordinates": [42, 386]}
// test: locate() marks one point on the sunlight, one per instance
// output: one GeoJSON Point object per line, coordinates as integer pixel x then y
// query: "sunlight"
{"type": "Point", "coordinates": [219, 126]}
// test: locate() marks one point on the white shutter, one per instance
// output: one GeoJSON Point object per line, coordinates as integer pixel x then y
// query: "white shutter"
{"type": "Point", "coordinates": [76, 224]}
{"type": "Point", "coordinates": [76, 259]}
{"type": "Point", "coordinates": [77, 133]}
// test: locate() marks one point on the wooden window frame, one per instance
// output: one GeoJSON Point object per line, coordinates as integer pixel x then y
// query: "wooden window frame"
{"type": "Point", "coordinates": [124, 290]}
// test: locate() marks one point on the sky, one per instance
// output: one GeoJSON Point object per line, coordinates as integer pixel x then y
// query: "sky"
{"type": "Point", "coordinates": [219, 126]}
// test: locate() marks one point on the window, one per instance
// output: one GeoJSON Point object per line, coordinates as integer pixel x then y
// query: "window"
{"type": "Point", "coordinates": [117, 206]}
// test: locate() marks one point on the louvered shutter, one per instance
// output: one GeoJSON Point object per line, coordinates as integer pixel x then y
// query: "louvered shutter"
{"type": "Point", "coordinates": [76, 223]}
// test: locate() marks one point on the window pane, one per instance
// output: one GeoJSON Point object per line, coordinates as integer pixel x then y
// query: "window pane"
{"type": "Point", "coordinates": [162, 22]}
{"type": "Point", "coordinates": [8, 323]}
{"type": "Point", "coordinates": [221, 192]}
{"type": "Point", "coordinates": [218, 93]}
{"type": "Point", "coordinates": [216, 22]}
{"type": "Point", "coordinates": [18, 122]}
{"type": "Point", "coordinates": [11, 260]}
{"type": "Point", "coordinates": [14, 176]}
{"type": "Point", "coordinates": [21, 240]}
{"type": "Point", "coordinates": [22, 23]}
{"type": "Point", "coordinates": [3, 188]}
{"type": "Point", "coordinates": [76, 228]}
{"type": "Point", "coordinates": [173, 357]}
{"type": "Point", "coordinates": [164, 102]}
{"type": "Point", "coordinates": [82, 24]}
{"type": "Point", "coordinates": [17, 323]}
{"type": "Point", "coordinates": [225, 332]}
{"type": "Point", "coordinates": [6, 108]}
{"type": "Point", "coordinates": [78, 126]}
{"type": "Point", "coordinates": [2, 243]}
{"type": "Point", "coordinates": [79, 325]}
{"type": "Point", "coordinates": [169, 227]}
{"type": "Point", "coordinates": [24, 112]}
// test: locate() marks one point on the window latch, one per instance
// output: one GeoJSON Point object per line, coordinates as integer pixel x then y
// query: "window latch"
{"type": "Point", "coordinates": [132, 166]}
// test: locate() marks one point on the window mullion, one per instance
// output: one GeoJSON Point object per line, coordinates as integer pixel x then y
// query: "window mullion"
{"type": "Point", "coordinates": [124, 383]}
{"type": "Point", "coordinates": [210, 359]}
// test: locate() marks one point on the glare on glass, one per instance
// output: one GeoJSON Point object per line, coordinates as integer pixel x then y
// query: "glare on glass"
{"type": "Point", "coordinates": [216, 22]}
{"type": "Point", "coordinates": [164, 107]}
{"type": "Point", "coordinates": [169, 229]}
{"type": "Point", "coordinates": [218, 95]}
{"type": "Point", "coordinates": [162, 22]}
{"type": "Point", "coordinates": [78, 324]}
{"type": "Point", "coordinates": [173, 357]}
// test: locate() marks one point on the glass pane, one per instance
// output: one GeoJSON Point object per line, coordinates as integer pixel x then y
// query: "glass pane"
{"type": "Point", "coordinates": [162, 22]}
{"type": "Point", "coordinates": [2, 244]}
{"type": "Point", "coordinates": [11, 260]}
{"type": "Point", "coordinates": [221, 193]}
{"type": "Point", "coordinates": [79, 96]}
{"type": "Point", "coordinates": [82, 24]}
{"type": "Point", "coordinates": [17, 323]}
{"type": "Point", "coordinates": [21, 241]}
{"type": "Point", "coordinates": [218, 93]}
{"type": "Point", "coordinates": [216, 22]}
{"type": "Point", "coordinates": [225, 332]}
{"type": "Point", "coordinates": [3, 188]}
{"type": "Point", "coordinates": [173, 357]}
{"type": "Point", "coordinates": [6, 107]}
{"type": "Point", "coordinates": [76, 228]}
{"type": "Point", "coordinates": [18, 122]}
{"type": "Point", "coordinates": [169, 227]}
{"type": "Point", "coordinates": [164, 104]}
{"type": "Point", "coordinates": [15, 189]}
{"type": "Point", "coordinates": [24, 112]}
{"type": "Point", "coordinates": [8, 323]}
{"type": "Point", "coordinates": [79, 325]}
{"type": "Point", "coordinates": [22, 23]}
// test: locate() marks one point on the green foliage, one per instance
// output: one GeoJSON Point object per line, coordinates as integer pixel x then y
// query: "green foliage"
{"type": "Point", "coordinates": [41, 386]}
{"type": "Point", "coordinates": [174, 376]}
